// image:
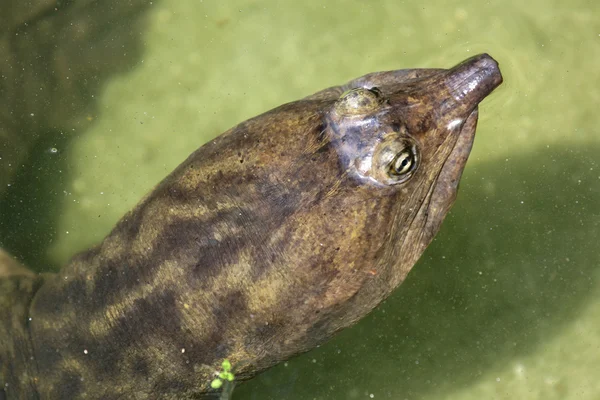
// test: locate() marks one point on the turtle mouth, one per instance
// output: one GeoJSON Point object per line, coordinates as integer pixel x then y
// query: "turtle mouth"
{"type": "Point", "coordinates": [445, 188]}
{"type": "Point", "coordinates": [454, 165]}
{"type": "Point", "coordinates": [466, 84]}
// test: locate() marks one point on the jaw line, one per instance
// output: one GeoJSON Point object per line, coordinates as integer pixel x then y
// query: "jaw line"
{"type": "Point", "coordinates": [445, 188]}
{"type": "Point", "coordinates": [421, 228]}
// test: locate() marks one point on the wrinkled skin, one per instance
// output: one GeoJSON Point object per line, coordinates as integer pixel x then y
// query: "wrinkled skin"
{"type": "Point", "coordinates": [261, 245]}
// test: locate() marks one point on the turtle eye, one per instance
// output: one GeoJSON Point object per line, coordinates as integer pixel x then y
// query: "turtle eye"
{"type": "Point", "coordinates": [403, 163]}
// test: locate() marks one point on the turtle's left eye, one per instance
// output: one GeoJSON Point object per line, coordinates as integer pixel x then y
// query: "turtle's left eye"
{"type": "Point", "coordinates": [403, 163]}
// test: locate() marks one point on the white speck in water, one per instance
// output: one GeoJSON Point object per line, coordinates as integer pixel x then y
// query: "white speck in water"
{"type": "Point", "coordinates": [183, 350]}
{"type": "Point", "coordinates": [314, 360]}
{"type": "Point", "coordinates": [372, 395]}
{"type": "Point", "coordinates": [85, 351]}
{"type": "Point", "coordinates": [498, 379]}
{"type": "Point", "coordinates": [520, 370]}
{"type": "Point", "coordinates": [550, 380]}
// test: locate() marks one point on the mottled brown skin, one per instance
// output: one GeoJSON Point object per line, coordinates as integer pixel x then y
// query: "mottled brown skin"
{"type": "Point", "coordinates": [261, 245]}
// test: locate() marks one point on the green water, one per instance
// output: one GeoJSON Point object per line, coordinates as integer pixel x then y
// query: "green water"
{"type": "Point", "coordinates": [505, 302]}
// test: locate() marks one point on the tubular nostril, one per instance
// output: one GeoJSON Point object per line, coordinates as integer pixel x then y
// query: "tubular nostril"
{"type": "Point", "coordinates": [473, 79]}
{"type": "Point", "coordinates": [465, 85]}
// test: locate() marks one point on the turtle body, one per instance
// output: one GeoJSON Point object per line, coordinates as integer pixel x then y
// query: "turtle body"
{"type": "Point", "coordinates": [262, 244]}
{"type": "Point", "coordinates": [55, 55]}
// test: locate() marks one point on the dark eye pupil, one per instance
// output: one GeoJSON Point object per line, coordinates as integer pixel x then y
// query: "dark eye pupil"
{"type": "Point", "coordinates": [405, 159]}
{"type": "Point", "coordinates": [403, 163]}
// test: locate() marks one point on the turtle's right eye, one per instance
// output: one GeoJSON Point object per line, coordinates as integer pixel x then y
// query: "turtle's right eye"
{"type": "Point", "coordinates": [403, 164]}
{"type": "Point", "coordinates": [358, 101]}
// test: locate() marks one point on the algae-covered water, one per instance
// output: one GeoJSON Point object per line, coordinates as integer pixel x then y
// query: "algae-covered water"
{"type": "Point", "coordinates": [505, 304]}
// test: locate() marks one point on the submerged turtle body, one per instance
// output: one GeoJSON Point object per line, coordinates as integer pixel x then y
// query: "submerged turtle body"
{"type": "Point", "coordinates": [54, 56]}
{"type": "Point", "coordinates": [261, 245]}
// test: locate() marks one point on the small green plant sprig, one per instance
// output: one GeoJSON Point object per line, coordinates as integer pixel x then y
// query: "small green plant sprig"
{"type": "Point", "coordinates": [225, 375]}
